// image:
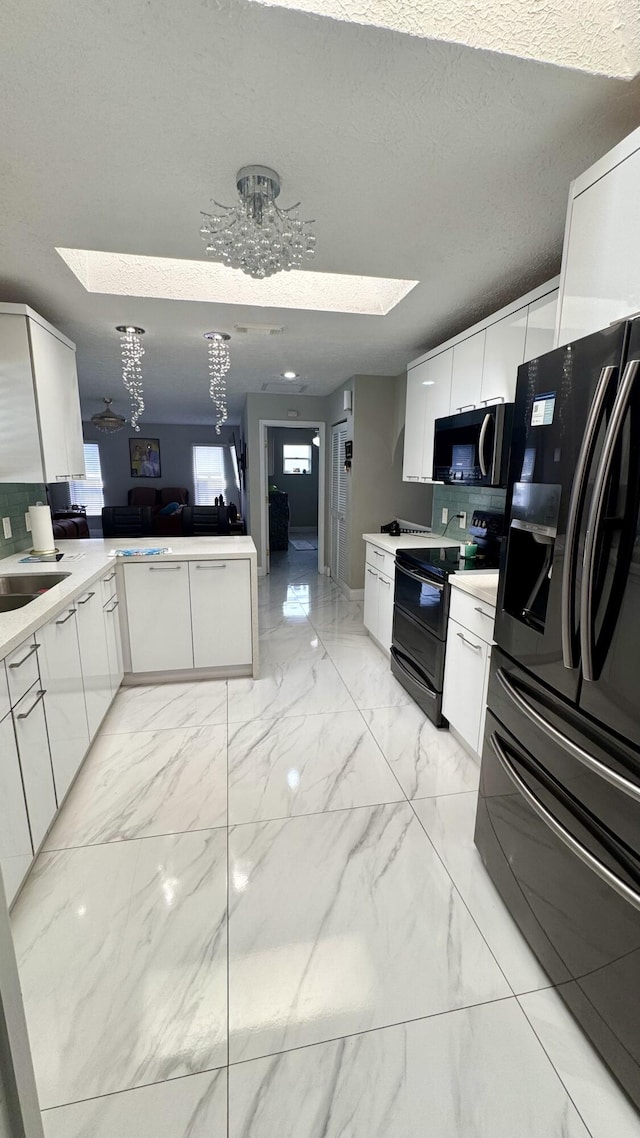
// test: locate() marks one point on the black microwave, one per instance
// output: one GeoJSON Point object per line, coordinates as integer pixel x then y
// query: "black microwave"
{"type": "Point", "coordinates": [472, 448]}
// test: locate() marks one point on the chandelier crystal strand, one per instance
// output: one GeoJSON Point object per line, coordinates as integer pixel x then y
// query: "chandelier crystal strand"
{"type": "Point", "coordinates": [256, 235]}
{"type": "Point", "coordinates": [219, 364]}
{"type": "Point", "coordinates": [132, 353]}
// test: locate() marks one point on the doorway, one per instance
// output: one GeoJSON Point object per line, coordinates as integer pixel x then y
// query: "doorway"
{"type": "Point", "coordinates": [292, 475]}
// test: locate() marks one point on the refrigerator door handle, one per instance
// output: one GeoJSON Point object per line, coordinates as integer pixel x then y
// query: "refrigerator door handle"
{"type": "Point", "coordinates": [595, 516]}
{"type": "Point", "coordinates": [585, 458]}
{"type": "Point", "coordinates": [602, 871]}
{"type": "Point", "coordinates": [483, 435]}
{"type": "Point", "coordinates": [566, 744]}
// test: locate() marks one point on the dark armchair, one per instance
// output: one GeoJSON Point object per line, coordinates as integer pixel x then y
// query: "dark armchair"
{"type": "Point", "coordinates": [127, 521]}
{"type": "Point", "coordinates": [143, 496]}
{"type": "Point", "coordinates": [201, 521]}
{"type": "Point", "coordinates": [178, 494]}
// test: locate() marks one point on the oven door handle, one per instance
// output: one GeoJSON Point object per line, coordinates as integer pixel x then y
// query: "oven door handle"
{"type": "Point", "coordinates": [566, 744]}
{"type": "Point", "coordinates": [483, 438]}
{"type": "Point", "coordinates": [593, 863]}
{"type": "Point", "coordinates": [416, 577]}
{"type": "Point", "coordinates": [411, 674]}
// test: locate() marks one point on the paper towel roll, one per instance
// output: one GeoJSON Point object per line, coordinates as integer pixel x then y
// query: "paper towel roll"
{"type": "Point", "coordinates": [41, 529]}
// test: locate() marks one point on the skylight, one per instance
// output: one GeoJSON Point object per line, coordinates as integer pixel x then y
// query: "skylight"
{"type": "Point", "coordinates": [167, 278]}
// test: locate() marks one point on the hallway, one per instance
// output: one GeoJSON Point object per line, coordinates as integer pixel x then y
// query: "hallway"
{"type": "Point", "coordinates": [261, 914]}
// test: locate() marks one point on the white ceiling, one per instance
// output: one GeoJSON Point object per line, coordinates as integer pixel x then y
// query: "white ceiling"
{"type": "Point", "coordinates": [419, 159]}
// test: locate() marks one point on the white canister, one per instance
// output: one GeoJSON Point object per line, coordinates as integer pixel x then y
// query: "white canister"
{"type": "Point", "coordinates": [41, 530]}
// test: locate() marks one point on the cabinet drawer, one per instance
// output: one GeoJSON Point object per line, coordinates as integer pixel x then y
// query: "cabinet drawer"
{"type": "Point", "coordinates": [108, 586]}
{"type": "Point", "coordinates": [381, 560]}
{"type": "Point", "coordinates": [22, 669]}
{"type": "Point", "coordinates": [476, 616]}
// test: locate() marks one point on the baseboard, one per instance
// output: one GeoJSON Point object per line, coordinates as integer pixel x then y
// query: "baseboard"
{"type": "Point", "coordinates": [186, 675]}
{"type": "Point", "coordinates": [351, 594]}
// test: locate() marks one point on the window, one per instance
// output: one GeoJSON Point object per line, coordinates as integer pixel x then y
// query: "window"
{"type": "Point", "coordinates": [208, 474]}
{"type": "Point", "coordinates": [89, 491]}
{"type": "Point", "coordinates": [296, 459]}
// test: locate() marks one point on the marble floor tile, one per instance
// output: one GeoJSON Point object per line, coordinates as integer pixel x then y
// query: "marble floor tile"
{"type": "Point", "coordinates": [158, 706]}
{"type": "Point", "coordinates": [304, 765]}
{"type": "Point", "coordinates": [328, 613]}
{"type": "Point", "coordinates": [425, 760]}
{"type": "Point", "coordinates": [366, 671]}
{"type": "Point", "coordinates": [449, 822]}
{"type": "Point", "coordinates": [123, 964]}
{"type": "Point", "coordinates": [476, 1073]}
{"type": "Point", "coordinates": [145, 784]}
{"type": "Point", "coordinates": [341, 922]}
{"type": "Point", "coordinates": [606, 1111]}
{"type": "Point", "coordinates": [289, 687]}
{"type": "Point", "coordinates": [192, 1107]}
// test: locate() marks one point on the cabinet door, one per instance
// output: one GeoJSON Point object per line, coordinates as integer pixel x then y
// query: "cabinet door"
{"type": "Point", "coordinates": [503, 354]}
{"type": "Point", "coordinates": [464, 683]}
{"type": "Point", "coordinates": [385, 612]}
{"type": "Point", "coordinates": [15, 839]}
{"type": "Point", "coordinates": [111, 613]}
{"type": "Point", "coordinates": [159, 616]}
{"type": "Point", "coordinates": [74, 439]}
{"type": "Point", "coordinates": [220, 613]}
{"type": "Point", "coordinates": [65, 709]}
{"type": "Point", "coordinates": [35, 762]}
{"type": "Point", "coordinates": [20, 458]}
{"type": "Point", "coordinates": [437, 381]}
{"type": "Point", "coordinates": [52, 362]}
{"type": "Point", "coordinates": [414, 420]}
{"type": "Point", "coordinates": [370, 611]}
{"type": "Point", "coordinates": [541, 326]}
{"type": "Point", "coordinates": [466, 378]}
{"type": "Point", "coordinates": [93, 656]}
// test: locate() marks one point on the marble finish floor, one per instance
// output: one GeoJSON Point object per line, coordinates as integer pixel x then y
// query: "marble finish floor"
{"type": "Point", "coordinates": [261, 915]}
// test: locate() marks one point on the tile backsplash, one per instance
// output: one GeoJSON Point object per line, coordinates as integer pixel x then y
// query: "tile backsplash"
{"type": "Point", "coordinates": [15, 499]}
{"type": "Point", "coordinates": [459, 499]}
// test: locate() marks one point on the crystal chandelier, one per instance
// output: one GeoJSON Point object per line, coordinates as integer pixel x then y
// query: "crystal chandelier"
{"type": "Point", "coordinates": [108, 422]}
{"type": "Point", "coordinates": [219, 364]}
{"type": "Point", "coordinates": [256, 235]}
{"type": "Point", "coordinates": [132, 353]}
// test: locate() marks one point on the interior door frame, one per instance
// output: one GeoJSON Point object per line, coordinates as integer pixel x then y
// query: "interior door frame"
{"type": "Point", "coordinates": [321, 427]}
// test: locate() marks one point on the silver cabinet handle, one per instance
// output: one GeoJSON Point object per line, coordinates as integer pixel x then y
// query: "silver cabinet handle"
{"type": "Point", "coordinates": [222, 566]}
{"type": "Point", "coordinates": [383, 581]}
{"type": "Point", "coordinates": [19, 663]}
{"type": "Point", "coordinates": [372, 571]}
{"type": "Point", "coordinates": [378, 553]}
{"type": "Point", "coordinates": [469, 643]}
{"type": "Point", "coordinates": [110, 577]}
{"type": "Point", "coordinates": [494, 399]}
{"type": "Point", "coordinates": [25, 714]}
{"type": "Point", "coordinates": [164, 568]}
{"type": "Point", "coordinates": [67, 617]}
{"type": "Point", "coordinates": [467, 406]}
{"type": "Point", "coordinates": [576, 847]}
{"type": "Point", "coordinates": [488, 615]}
{"type": "Point", "coordinates": [86, 599]}
{"type": "Point", "coordinates": [113, 607]}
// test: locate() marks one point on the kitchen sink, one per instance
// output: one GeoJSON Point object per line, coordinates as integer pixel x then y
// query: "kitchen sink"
{"type": "Point", "coordinates": [19, 584]}
{"type": "Point", "coordinates": [17, 601]}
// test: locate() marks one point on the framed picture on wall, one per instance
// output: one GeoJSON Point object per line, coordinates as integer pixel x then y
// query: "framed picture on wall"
{"type": "Point", "coordinates": [144, 458]}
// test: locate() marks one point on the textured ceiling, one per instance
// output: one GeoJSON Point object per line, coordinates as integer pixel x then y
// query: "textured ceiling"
{"type": "Point", "coordinates": [420, 159]}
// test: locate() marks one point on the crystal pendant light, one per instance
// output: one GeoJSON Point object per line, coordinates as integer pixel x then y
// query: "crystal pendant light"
{"type": "Point", "coordinates": [219, 364]}
{"type": "Point", "coordinates": [132, 353]}
{"type": "Point", "coordinates": [107, 421]}
{"type": "Point", "coordinates": [256, 235]}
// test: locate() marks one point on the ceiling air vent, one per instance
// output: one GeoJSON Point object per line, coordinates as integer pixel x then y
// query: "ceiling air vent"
{"type": "Point", "coordinates": [276, 387]}
{"type": "Point", "coordinates": [259, 329]}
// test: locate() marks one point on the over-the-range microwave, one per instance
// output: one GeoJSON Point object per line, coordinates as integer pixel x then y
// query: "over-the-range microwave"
{"type": "Point", "coordinates": [472, 448]}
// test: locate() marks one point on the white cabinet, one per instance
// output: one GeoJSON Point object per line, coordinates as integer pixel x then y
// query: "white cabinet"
{"type": "Point", "coordinates": [35, 762]}
{"type": "Point", "coordinates": [42, 439]}
{"type": "Point", "coordinates": [220, 613]}
{"type": "Point", "coordinates": [65, 709]}
{"type": "Point", "coordinates": [15, 839]}
{"type": "Point", "coordinates": [93, 656]}
{"type": "Point", "coordinates": [378, 603]}
{"type": "Point", "coordinates": [503, 354]}
{"type": "Point", "coordinates": [159, 616]}
{"type": "Point", "coordinates": [466, 377]}
{"type": "Point", "coordinates": [465, 682]}
{"type": "Point", "coordinates": [541, 326]}
{"type": "Point", "coordinates": [414, 424]}
{"type": "Point", "coordinates": [113, 634]}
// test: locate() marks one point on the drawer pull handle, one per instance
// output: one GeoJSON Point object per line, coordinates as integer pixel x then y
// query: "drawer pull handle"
{"type": "Point", "coordinates": [469, 643]}
{"type": "Point", "coordinates": [25, 714]}
{"type": "Point", "coordinates": [86, 599]}
{"type": "Point", "coordinates": [372, 571]}
{"type": "Point", "coordinates": [19, 663]}
{"type": "Point", "coordinates": [110, 577]}
{"type": "Point", "coordinates": [113, 607]}
{"type": "Point", "coordinates": [483, 613]}
{"type": "Point", "coordinates": [223, 566]}
{"type": "Point", "coordinates": [67, 617]}
{"type": "Point", "coordinates": [378, 553]}
{"type": "Point", "coordinates": [383, 581]}
{"type": "Point", "coordinates": [163, 568]}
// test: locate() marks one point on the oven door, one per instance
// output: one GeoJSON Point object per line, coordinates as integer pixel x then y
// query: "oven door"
{"type": "Point", "coordinates": [424, 599]}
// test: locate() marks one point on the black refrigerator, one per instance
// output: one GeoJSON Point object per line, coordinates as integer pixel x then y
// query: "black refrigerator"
{"type": "Point", "coordinates": [558, 823]}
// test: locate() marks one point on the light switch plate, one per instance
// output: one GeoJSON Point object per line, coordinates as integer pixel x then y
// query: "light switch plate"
{"type": "Point", "coordinates": [463, 519]}
{"type": "Point", "coordinates": [27, 521]}
{"type": "Point", "coordinates": [445, 515]}
{"type": "Point", "coordinates": [6, 527]}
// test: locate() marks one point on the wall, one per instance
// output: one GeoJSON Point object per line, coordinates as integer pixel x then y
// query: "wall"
{"type": "Point", "coordinates": [15, 499]}
{"type": "Point", "coordinates": [301, 488]}
{"type": "Point", "coordinates": [176, 459]}
{"type": "Point", "coordinates": [463, 498]}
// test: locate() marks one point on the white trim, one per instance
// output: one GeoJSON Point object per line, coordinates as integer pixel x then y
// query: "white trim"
{"type": "Point", "coordinates": [351, 594]}
{"type": "Point", "coordinates": [263, 425]}
{"type": "Point", "coordinates": [604, 165]}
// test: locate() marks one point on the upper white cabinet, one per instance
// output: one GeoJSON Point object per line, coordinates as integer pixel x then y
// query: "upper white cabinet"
{"type": "Point", "coordinates": [466, 378]}
{"type": "Point", "coordinates": [415, 414]}
{"type": "Point", "coordinates": [600, 281]}
{"type": "Point", "coordinates": [503, 353]}
{"type": "Point", "coordinates": [41, 428]}
{"type": "Point", "coordinates": [541, 326]}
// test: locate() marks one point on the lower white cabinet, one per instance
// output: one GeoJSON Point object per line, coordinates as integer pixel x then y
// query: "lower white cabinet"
{"type": "Point", "coordinates": [93, 656]}
{"type": "Point", "coordinates": [159, 616]}
{"type": "Point", "coordinates": [65, 708]}
{"type": "Point", "coordinates": [220, 613]}
{"type": "Point", "coordinates": [15, 838]}
{"type": "Point", "coordinates": [378, 606]}
{"type": "Point", "coordinates": [465, 683]}
{"type": "Point", "coordinates": [35, 762]}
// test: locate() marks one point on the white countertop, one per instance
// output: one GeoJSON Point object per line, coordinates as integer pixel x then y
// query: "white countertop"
{"type": "Point", "coordinates": [17, 625]}
{"type": "Point", "coordinates": [481, 584]}
{"type": "Point", "coordinates": [409, 541]}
